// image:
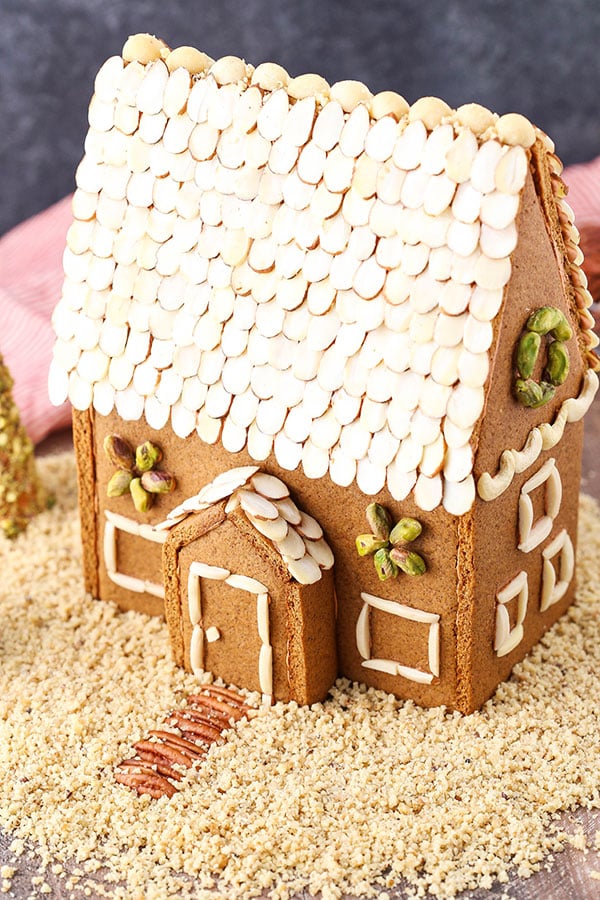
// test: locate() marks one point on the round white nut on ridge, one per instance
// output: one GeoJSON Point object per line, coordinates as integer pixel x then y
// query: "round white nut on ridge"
{"type": "Point", "coordinates": [188, 58]}
{"type": "Point", "coordinates": [429, 110]}
{"type": "Point", "coordinates": [516, 130]}
{"type": "Point", "coordinates": [389, 103]}
{"type": "Point", "coordinates": [270, 77]}
{"type": "Point", "coordinates": [228, 70]}
{"type": "Point", "coordinates": [143, 48]}
{"type": "Point", "coordinates": [475, 117]}
{"type": "Point", "coordinates": [350, 93]}
{"type": "Point", "coordinates": [309, 85]}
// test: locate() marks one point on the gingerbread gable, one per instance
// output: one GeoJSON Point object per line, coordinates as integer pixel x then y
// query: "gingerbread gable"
{"type": "Point", "coordinates": [298, 270]}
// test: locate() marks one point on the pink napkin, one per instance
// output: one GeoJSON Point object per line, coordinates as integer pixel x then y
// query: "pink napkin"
{"type": "Point", "coordinates": [31, 278]}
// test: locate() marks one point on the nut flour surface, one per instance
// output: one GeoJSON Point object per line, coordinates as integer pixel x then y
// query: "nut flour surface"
{"type": "Point", "coordinates": [352, 795]}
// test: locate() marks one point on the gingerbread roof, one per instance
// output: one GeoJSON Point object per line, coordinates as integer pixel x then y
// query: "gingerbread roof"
{"type": "Point", "coordinates": [265, 502]}
{"type": "Point", "coordinates": [290, 267]}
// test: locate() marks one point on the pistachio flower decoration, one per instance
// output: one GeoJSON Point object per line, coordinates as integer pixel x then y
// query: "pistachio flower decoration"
{"type": "Point", "coordinates": [387, 545]}
{"type": "Point", "coordinates": [548, 320]}
{"type": "Point", "coordinates": [136, 472]}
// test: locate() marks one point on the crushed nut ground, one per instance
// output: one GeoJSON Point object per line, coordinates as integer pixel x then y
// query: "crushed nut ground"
{"type": "Point", "coordinates": [354, 794]}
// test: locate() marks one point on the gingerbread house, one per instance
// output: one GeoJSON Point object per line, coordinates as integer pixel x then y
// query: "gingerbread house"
{"type": "Point", "coordinates": [379, 305]}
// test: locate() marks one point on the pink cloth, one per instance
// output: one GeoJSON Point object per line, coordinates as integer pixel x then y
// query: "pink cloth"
{"type": "Point", "coordinates": [31, 278]}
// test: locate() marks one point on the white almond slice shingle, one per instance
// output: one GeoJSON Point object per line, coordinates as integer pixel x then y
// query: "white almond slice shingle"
{"type": "Point", "coordinates": [354, 132]}
{"type": "Point", "coordinates": [103, 397]}
{"type": "Point", "coordinates": [473, 368]}
{"type": "Point", "coordinates": [245, 583]}
{"type": "Point", "coordinates": [410, 145]}
{"type": "Point", "coordinates": [389, 183]}
{"type": "Point", "coordinates": [499, 210]}
{"type": "Point", "coordinates": [356, 209]}
{"type": "Point", "coordinates": [299, 122]}
{"type": "Point", "coordinates": [342, 468]}
{"type": "Point", "coordinates": [243, 408]}
{"type": "Point", "coordinates": [320, 297]}
{"type": "Point", "coordinates": [177, 91]}
{"type": "Point", "coordinates": [306, 365]}
{"type": "Point", "coordinates": [414, 188]}
{"type": "Point", "coordinates": [458, 463]}
{"type": "Point", "coordinates": [140, 188]}
{"type": "Point", "coordinates": [436, 147]}
{"type": "Point", "coordinates": [221, 106]}
{"type": "Point", "coordinates": [207, 429]}
{"type": "Point", "coordinates": [186, 360]}
{"type": "Point", "coordinates": [511, 171]}
{"type": "Point", "coordinates": [197, 105]}
{"type": "Point", "coordinates": [325, 431]}
{"type": "Point", "coordinates": [369, 279]}
{"type": "Point", "coordinates": [381, 138]}
{"type": "Point", "coordinates": [193, 394]}
{"type": "Point", "coordinates": [150, 93]}
{"type": "Point", "coordinates": [389, 251]}
{"type": "Point", "coordinates": [434, 398]}
{"type": "Point", "coordinates": [233, 437]}
{"type": "Point", "coordinates": [129, 404]}
{"type": "Point", "coordinates": [428, 492]}
{"type": "Point", "coordinates": [101, 115]}
{"type": "Point", "coordinates": [439, 194]}
{"type": "Point", "coordinates": [283, 157]}
{"type": "Point", "coordinates": [423, 428]}
{"type": "Point", "coordinates": [382, 220]}
{"type": "Point", "coordinates": [460, 156]}
{"type": "Point", "coordinates": [354, 440]}
{"type": "Point", "coordinates": [478, 336]}
{"type": "Point", "coordinates": [269, 486]}
{"type": "Point", "coordinates": [454, 298]}
{"type": "Point", "coordinates": [433, 457]}
{"type": "Point", "coordinates": [422, 326]}
{"type": "Point", "coordinates": [492, 273]}
{"type": "Point", "coordinates": [485, 304]}
{"type": "Point", "coordinates": [449, 330]}
{"type": "Point", "coordinates": [383, 447]}
{"type": "Point", "coordinates": [321, 552]}
{"type": "Point", "coordinates": [151, 130]}
{"type": "Point", "coordinates": [145, 378]}
{"type": "Point", "coordinates": [305, 570]}
{"type": "Point", "coordinates": [218, 401]}
{"type": "Point", "coordinates": [202, 141]}
{"type": "Point", "coordinates": [338, 171]}
{"type": "Point", "coordinates": [465, 405]}
{"type": "Point", "coordinates": [484, 166]}
{"type": "Point", "coordinates": [287, 452]}
{"type": "Point", "coordinates": [84, 204]}
{"type": "Point", "coordinates": [365, 176]}
{"type": "Point", "coordinates": [498, 243]}
{"type": "Point", "coordinates": [467, 202]}
{"type": "Point", "coordinates": [463, 238]}
{"type": "Point", "coordinates": [459, 496]}
{"type": "Point", "coordinates": [170, 387]}
{"type": "Point", "coordinates": [108, 79]}
{"type": "Point", "coordinates": [257, 506]}
{"type": "Point", "coordinates": [399, 482]}
{"type": "Point", "coordinates": [270, 416]}
{"type": "Point", "coordinates": [433, 230]}
{"type": "Point", "coordinates": [309, 528]}
{"type": "Point", "coordinates": [80, 391]}
{"type": "Point", "coordinates": [445, 365]}
{"type": "Point", "coordinates": [409, 455]}
{"type": "Point", "coordinates": [291, 546]}
{"type": "Point", "coordinates": [182, 420]}
{"type": "Point", "coordinates": [92, 365]}
{"type": "Point", "coordinates": [315, 461]}
{"type": "Point", "coordinates": [325, 203]}
{"type": "Point", "coordinates": [328, 125]}
{"type": "Point", "coordinates": [455, 436]}
{"type": "Point", "coordinates": [414, 258]}
{"type": "Point", "coordinates": [298, 424]}
{"type": "Point", "coordinates": [464, 269]}
{"type": "Point", "coordinates": [297, 193]}
{"type": "Point", "coordinates": [236, 374]}
{"type": "Point", "coordinates": [126, 117]}
{"type": "Point", "coordinates": [271, 118]}
{"type": "Point", "coordinates": [373, 415]}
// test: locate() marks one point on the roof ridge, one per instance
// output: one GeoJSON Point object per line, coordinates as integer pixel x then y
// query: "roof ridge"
{"type": "Point", "coordinates": [511, 129]}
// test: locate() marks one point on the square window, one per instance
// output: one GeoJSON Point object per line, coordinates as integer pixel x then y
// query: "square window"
{"type": "Point", "coordinates": [554, 590]}
{"type": "Point", "coordinates": [507, 638]}
{"type": "Point", "coordinates": [115, 523]}
{"type": "Point", "coordinates": [532, 534]}
{"type": "Point", "coordinates": [392, 666]}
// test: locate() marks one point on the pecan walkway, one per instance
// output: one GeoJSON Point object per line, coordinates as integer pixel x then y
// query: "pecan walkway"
{"type": "Point", "coordinates": [192, 729]}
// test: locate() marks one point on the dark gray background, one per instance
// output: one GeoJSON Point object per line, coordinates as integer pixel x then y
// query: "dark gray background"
{"type": "Point", "coordinates": [538, 57]}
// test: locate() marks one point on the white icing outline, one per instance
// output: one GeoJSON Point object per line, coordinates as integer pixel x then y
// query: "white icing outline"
{"type": "Point", "coordinates": [507, 638]}
{"type": "Point", "coordinates": [391, 666]}
{"type": "Point", "coordinates": [532, 534]}
{"type": "Point", "coordinates": [553, 591]}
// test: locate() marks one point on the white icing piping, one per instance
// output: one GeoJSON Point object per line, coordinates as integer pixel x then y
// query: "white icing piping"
{"type": "Point", "coordinates": [542, 437]}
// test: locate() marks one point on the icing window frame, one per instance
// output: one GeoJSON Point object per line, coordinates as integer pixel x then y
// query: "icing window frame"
{"type": "Point", "coordinates": [114, 523]}
{"type": "Point", "coordinates": [553, 590]}
{"type": "Point", "coordinates": [532, 534]}
{"type": "Point", "coordinates": [392, 666]}
{"type": "Point", "coordinates": [505, 637]}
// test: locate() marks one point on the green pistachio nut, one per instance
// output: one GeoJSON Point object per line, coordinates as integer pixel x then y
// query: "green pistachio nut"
{"type": "Point", "coordinates": [557, 367]}
{"type": "Point", "coordinates": [544, 319]}
{"type": "Point", "coordinates": [532, 394]}
{"type": "Point", "coordinates": [367, 544]}
{"type": "Point", "coordinates": [147, 455]}
{"type": "Point", "coordinates": [384, 565]}
{"type": "Point", "coordinates": [142, 500]}
{"type": "Point", "coordinates": [527, 353]}
{"type": "Point", "coordinates": [118, 483]}
{"type": "Point", "coordinates": [158, 482]}
{"type": "Point", "coordinates": [562, 331]}
{"type": "Point", "coordinates": [379, 521]}
{"type": "Point", "coordinates": [409, 561]}
{"type": "Point", "coordinates": [405, 531]}
{"type": "Point", "coordinates": [119, 452]}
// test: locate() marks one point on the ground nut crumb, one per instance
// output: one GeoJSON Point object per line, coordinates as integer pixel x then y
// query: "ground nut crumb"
{"type": "Point", "coordinates": [353, 795]}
